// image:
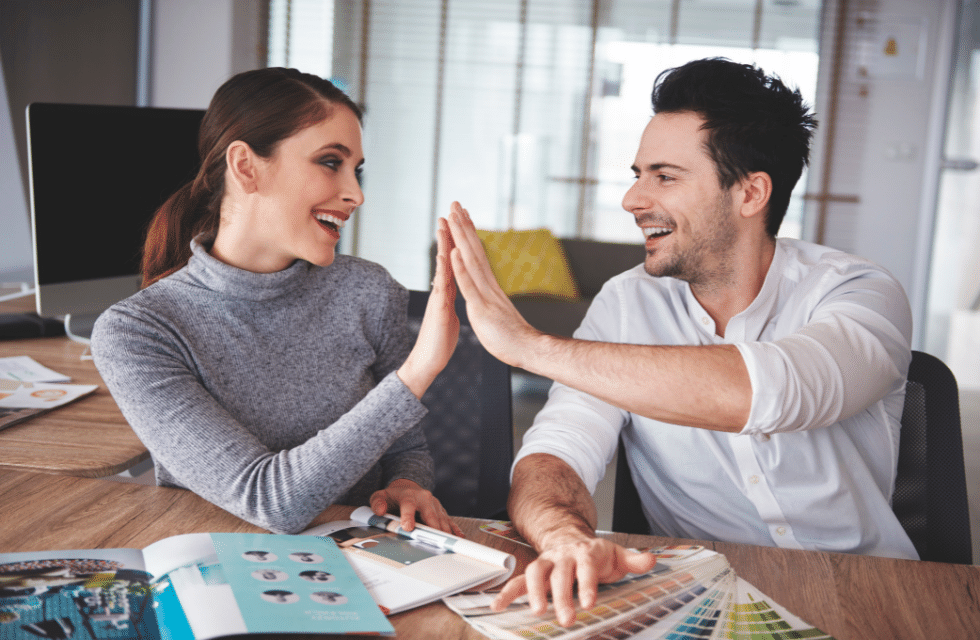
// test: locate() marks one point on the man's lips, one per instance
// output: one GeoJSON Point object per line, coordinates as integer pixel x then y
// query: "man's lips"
{"type": "Point", "coordinates": [655, 232]}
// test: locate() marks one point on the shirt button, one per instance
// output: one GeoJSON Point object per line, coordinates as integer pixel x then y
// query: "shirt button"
{"type": "Point", "coordinates": [754, 479]}
{"type": "Point", "coordinates": [705, 320]}
{"type": "Point", "coordinates": [781, 531]}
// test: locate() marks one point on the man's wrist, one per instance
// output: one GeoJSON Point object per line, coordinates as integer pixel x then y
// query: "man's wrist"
{"type": "Point", "coordinates": [573, 529]}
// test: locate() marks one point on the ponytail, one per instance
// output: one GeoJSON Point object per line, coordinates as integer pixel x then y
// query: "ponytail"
{"type": "Point", "coordinates": [182, 217]}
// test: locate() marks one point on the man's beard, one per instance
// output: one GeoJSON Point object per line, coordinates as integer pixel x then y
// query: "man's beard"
{"type": "Point", "coordinates": [706, 261]}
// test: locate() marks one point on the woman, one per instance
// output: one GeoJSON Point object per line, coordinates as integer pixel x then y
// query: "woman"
{"type": "Point", "coordinates": [263, 371]}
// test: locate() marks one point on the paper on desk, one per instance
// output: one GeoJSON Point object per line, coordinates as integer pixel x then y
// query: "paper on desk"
{"type": "Point", "coordinates": [40, 395]}
{"type": "Point", "coordinates": [20, 401]}
{"type": "Point", "coordinates": [26, 369]}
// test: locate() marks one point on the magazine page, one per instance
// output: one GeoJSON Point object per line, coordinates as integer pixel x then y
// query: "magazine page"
{"type": "Point", "coordinates": [230, 583]}
{"type": "Point", "coordinates": [80, 594]}
{"type": "Point", "coordinates": [405, 570]}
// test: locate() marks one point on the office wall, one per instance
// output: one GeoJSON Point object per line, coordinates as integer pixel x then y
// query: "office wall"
{"type": "Point", "coordinates": [57, 51]}
{"type": "Point", "coordinates": [885, 146]}
{"type": "Point", "coordinates": [15, 253]}
{"type": "Point", "coordinates": [196, 46]}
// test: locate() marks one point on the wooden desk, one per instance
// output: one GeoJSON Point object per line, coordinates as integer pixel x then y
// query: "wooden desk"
{"type": "Point", "coordinates": [88, 437]}
{"type": "Point", "coordinates": [849, 597]}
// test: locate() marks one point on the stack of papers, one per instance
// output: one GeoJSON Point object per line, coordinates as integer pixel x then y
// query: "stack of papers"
{"type": "Point", "coordinates": [28, 388]}
{"type": "Point", "coordinates": [691, 594]}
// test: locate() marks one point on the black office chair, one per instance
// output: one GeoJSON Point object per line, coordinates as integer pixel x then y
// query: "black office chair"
{"type": "Point", "coordinates": [930, 498]}
{"type": "Point", "coordinates": [930, 489]}
{"type": "Point", "coordinates": [469, 426]}
{"type": "Point", "coordinates": [627, 515]}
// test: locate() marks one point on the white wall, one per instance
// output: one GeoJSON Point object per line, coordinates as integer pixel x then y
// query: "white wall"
{"type": "Point", "coordinates": [196, 46]}
{"type": "Point", "coordinates": [889, 135]}
{"type": "Point", "coordinates": [16, 259]}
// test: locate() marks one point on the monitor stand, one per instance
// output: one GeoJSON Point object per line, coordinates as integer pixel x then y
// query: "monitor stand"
{"type": "Point", "coordinates": [78, 327]}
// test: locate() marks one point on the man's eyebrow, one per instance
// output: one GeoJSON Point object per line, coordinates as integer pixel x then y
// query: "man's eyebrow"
{"type": "Point", "coordinates": [658, 166]}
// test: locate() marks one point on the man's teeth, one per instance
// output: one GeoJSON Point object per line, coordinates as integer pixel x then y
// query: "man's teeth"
{"type": "Point", "coordinates": [649, 232]}
{"type": "Point", "coordinates": [334, 220]}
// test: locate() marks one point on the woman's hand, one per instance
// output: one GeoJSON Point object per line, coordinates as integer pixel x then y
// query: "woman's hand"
{"type": "Point", "coordinates": [410, 498]}
{"type": "Point", "coordinates": [440, 326]}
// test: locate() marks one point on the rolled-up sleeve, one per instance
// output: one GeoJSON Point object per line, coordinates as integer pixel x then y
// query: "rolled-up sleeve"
{"type": "Point", "coordinates": [853, 350]}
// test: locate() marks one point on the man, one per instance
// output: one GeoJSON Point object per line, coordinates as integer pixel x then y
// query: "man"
{"type": "Point", "coordinates": [758, 384]}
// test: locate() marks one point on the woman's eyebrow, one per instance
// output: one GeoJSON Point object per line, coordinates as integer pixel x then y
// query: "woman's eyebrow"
{"type": "Point", "coordinates": [336, 146]}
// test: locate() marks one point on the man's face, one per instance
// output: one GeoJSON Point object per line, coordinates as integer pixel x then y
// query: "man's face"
{"type": "Point", "coordinates": [688, 220]}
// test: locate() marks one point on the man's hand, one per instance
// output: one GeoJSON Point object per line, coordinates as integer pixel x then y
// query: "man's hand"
{"type": "Point", "coordinates": [406, 498]}
{"type": "Point", "coordinates": [497, 323]}
{"type": "Point", "coordinates": [576, 559]}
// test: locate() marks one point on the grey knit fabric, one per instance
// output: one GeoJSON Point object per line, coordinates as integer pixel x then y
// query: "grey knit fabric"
{"type": "Point", "coordinates": [270, 395]}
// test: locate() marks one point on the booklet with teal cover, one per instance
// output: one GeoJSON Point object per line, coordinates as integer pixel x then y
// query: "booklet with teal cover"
{"type": "Point", "coordinates": [188, 587]}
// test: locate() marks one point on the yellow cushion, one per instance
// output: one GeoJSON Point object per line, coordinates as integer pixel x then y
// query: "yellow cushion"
{"type": "Point", "coordinates": [529, 262]}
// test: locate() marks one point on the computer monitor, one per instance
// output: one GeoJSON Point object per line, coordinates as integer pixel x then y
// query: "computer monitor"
{"type": "Point", "coordinates": [97, 175]}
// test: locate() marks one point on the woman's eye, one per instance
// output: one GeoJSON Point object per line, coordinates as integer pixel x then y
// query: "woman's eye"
{"type": "Point", "coordinates": [332, 163]}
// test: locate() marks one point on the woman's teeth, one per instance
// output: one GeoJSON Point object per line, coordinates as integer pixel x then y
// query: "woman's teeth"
{"type": "Point", "coordinates": [331, 221]}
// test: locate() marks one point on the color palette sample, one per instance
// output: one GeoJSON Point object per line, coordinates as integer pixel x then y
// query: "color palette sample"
{"type": "Point", "coordinates": [692, 594]}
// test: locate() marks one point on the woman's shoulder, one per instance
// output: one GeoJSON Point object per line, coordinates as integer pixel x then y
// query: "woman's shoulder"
{"type": "Point", "coordinates": [360, 278]}
{"type": "Point", "coordinates": [150, 310]}
{"type": "Point", "coordinates": [348, 266]}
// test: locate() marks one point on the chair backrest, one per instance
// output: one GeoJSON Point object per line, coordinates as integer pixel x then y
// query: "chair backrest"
{"type": "Point", "coordinates": [627, 515]}
{"type": "Point", "coordinates": [469, 427]}
{"type": "Point", "coordinates": [930, 497]}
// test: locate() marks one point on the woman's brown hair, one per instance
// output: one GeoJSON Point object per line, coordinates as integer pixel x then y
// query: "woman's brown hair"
{"type": "Point", "coordinates": [261, 108]}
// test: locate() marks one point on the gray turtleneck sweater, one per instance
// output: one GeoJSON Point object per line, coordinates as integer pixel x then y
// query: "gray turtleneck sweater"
{"type": "Point", "coordinates": [270, 395]}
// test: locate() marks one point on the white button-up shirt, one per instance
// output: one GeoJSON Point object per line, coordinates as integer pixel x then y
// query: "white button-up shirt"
{"type": "Point", "coordinates": [827, 346]}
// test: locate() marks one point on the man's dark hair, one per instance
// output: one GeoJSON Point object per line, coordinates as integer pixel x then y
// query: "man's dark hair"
{"type": "Point", "coordinates": [754, 123]}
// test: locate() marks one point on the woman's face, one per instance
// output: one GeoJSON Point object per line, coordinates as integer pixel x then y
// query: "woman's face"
{"type": "Point", "coordinates": [304, 193]}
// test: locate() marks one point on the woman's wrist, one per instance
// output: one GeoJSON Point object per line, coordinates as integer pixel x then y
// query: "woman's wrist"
{"type": "Point", "coordinates": [416, 381]}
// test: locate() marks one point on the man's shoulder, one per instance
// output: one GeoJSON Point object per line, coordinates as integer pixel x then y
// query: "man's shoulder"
{"type": "Point", "coordinates": [800, 258]}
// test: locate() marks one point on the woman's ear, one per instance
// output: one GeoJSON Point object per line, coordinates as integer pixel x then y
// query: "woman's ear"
{"type": "Point", "coordinates": [756, 191]}
{"type": "Point", "coordinates": [242, 166]}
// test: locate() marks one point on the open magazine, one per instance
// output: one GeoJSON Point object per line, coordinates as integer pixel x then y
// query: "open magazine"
{"type": "Point", "coordinates": [403, 569]}
{"type": "Point", "coordinates": [692, 593]}
{"type": "Point", "coordinates": [188, 587]}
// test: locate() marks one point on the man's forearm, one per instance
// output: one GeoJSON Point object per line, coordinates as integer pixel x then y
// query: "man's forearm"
{"type": "Point", "coordinates": [698, 386]}
{"type": "Point", "coordinates": [548, 502]}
